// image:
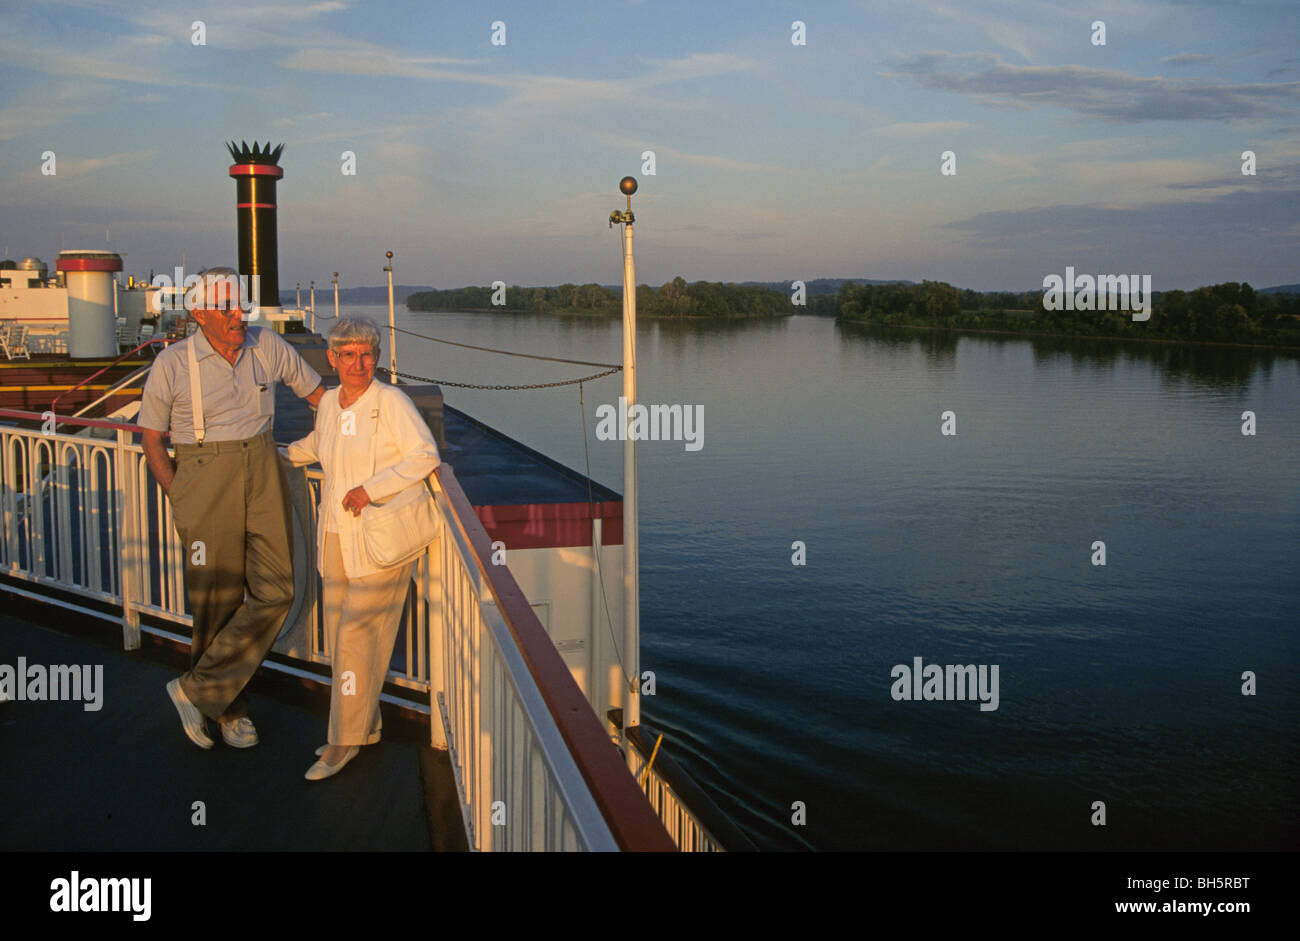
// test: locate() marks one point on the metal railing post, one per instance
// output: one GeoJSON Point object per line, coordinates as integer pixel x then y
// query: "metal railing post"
{"type": "Point", "coordinates": [128, 521]}
{"type": "Point", "coordinates": [435, 624]}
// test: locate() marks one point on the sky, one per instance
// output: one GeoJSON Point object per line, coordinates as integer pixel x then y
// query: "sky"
{"type": "Point", "coordinates": [479, 161]}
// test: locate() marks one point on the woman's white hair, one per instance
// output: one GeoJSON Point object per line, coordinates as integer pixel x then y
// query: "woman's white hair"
{"type": "Point", "coordinates": [354, 330]}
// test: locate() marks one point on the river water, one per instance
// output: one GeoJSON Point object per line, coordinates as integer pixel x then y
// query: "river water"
{"type": "Point", "coordinates": [1118, 685]}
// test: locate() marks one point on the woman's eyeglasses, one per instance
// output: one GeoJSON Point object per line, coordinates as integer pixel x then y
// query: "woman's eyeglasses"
{"type": "Point", "coordinates": [349, 357]}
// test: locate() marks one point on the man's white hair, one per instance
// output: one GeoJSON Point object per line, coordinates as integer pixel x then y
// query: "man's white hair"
{"type": "Point", "coordinates": [203, 295]}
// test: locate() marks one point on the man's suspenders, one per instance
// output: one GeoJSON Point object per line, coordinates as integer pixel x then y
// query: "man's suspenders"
{"type": "Point", "coordinates": [196, 392]}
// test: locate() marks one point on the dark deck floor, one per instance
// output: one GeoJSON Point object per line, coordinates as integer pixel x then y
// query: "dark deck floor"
{"type": "Point", "coordinates": [126, 777]}
{"type": "Point", "coordinates": [494, 469]}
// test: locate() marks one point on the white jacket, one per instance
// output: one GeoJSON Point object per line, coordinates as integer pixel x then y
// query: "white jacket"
{"type": "Point", "coordinates": [405, 455]}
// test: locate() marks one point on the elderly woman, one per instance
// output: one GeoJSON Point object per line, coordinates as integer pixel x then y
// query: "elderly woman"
{"type": "Point", "coordinates": [372, 445]}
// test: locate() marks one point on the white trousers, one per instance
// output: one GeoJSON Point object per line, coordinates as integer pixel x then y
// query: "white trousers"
{"type": "Point", "coordinates": [362, 616]}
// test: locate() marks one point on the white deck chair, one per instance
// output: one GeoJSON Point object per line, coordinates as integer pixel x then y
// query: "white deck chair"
{"type": "Point", "coordinates": [146, 333]}
{"type": "Point", "coordinates": [13, 340]}
{"type": "Point", "coordinates": [129, 338]}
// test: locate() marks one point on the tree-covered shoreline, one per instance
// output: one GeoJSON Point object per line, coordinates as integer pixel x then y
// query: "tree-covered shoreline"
{"type": "Point", "coordinates": [675, 300]}
{"type": "Point", "coordinates": [1230, 312]}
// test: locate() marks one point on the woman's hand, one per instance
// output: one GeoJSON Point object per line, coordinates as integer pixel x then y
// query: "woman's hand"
{"type": "Point", "coordinates": [356, 500]}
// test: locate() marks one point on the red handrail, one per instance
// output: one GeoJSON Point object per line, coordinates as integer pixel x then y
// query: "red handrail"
{"type": "Point", "coordinates": [100, 372]}
{"type": "Point", "coordinates": [627, 813]}
{"type": "Point", "coordinates": [69, 420]}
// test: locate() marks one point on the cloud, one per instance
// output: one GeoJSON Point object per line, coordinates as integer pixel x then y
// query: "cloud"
{"type": "Point", "coordinates": [1104, 93]}
{"type": "Point", "coordinates": [30, 112]}
{"type": "Point", "coordinates": [1013, 165]}
{"type": "Point", "coordinates": [1009, 30]}
{"type": "Point", "coordinates": [908, 130]}
{"type": "Point", "coordinates": [1124, 177]}
{"type": "Point", "coordinates": [103, 62]}
{"type": "Point", "coordinates": [281, 12]}
{"type": "Point", "coordinates": [28, 53]}
{"type": "Point", "coordinates": [695, 66]}
{"type": "Point", "coordinates": [313, 118]}
{"type": "Point", "coordinates": [1246, 212]}
{"type": "Point", "coordinates": [668, 155]}
{"type": "Point", "coordinates": [68, 170]}
{"type": "Point", "coordinates": [358, 58]}
{"type": "Point", "coordinates": [1278, 177]}
{"type": "Point", "coordinates": [717, 162]}
{"type": "Point", "coordinates": [129, 50]}
{"type": "Point", "coordinates": [371, 61]}
{"type": "Point", "coordinates": [1187, 58]}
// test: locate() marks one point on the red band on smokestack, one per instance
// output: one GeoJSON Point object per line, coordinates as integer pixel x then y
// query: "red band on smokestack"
{"type": "Point", "coordinates": [256, 169]}
{"type": "Point", "coordinates": [89, 264]}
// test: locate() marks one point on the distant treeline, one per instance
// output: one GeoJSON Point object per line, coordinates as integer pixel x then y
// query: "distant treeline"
{"type": "Point", "coordinates": [1228, 312]}
{"type": "Point", "coordinates": [676, 298]}
{"type": "Point", "coordinates": [361, 295]}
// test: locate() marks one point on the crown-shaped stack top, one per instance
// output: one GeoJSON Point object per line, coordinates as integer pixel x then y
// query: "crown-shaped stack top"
{"type": "Point", "coordinates": [257, 154]}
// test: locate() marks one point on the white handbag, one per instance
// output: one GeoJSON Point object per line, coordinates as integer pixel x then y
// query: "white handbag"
{"type": "Point", "coordinates": [396, 531]}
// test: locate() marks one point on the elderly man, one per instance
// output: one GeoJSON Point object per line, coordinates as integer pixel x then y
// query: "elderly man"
{"type": "Point", "coordinates": [229, 497]}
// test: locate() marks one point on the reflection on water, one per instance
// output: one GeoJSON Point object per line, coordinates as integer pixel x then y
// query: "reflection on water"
{"type": "Point", "coordinates": [1214, 366]}
{"type": "Point", "coordinates": [1119, 683]}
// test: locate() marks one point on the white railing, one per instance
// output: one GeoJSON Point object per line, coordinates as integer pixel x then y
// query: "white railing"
{"type": "Point", "coordinates": [82, 532]}
{"type": "Point", "coordinates": [519, 786]}
{"type": "Point", "coordinates": [62, 516]}
{"type": "Point", "coordinates": [686, 830]}
{"type": "Point", "coordinates": [85, 516]}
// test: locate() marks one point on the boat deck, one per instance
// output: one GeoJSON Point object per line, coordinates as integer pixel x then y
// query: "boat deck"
{"type": "Point", "coordinates": [125, 777]}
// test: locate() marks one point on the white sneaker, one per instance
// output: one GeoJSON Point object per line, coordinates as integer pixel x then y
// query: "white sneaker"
{"type": "Point", "coordinates": [240, 733]}
{"type": "Point", "coordinates": [191, 719]}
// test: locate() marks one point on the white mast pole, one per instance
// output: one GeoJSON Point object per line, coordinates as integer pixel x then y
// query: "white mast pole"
{"type": "Point", "coordinates": [392, 324]}
{"type": "Point", "coordinates": [631, 567]}
{"type": "Point", "coordinates": [336, 296]}
{"type": "Point", "coordinates": [313, 307]}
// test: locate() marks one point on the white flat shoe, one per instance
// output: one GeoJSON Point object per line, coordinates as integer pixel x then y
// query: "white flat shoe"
{"type": "Point", "coordinates": [371, 739]}
{"type": "Point", "coordinates": [320, 770]}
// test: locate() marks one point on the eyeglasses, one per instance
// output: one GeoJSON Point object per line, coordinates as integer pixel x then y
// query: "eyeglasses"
{"type": "Point", "coordinates": [349, 357]}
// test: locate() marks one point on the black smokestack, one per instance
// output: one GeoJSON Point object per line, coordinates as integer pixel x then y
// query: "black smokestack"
{"type": "Point", "coordinates": [255, 172]}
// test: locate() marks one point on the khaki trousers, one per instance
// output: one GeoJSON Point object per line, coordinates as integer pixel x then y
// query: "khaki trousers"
{"type": "Point", "coordinates": [362, 616]}
{"type": "Point", "coordinates": [230, 501]}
